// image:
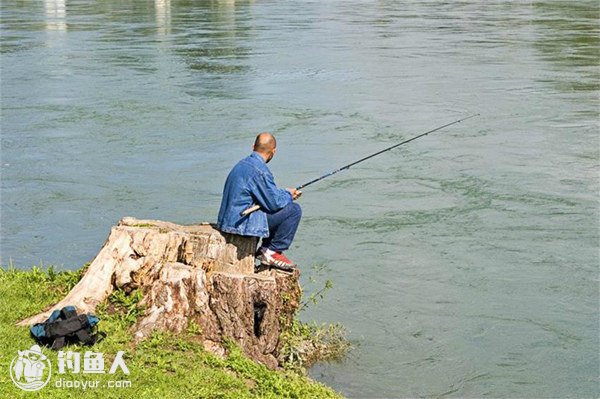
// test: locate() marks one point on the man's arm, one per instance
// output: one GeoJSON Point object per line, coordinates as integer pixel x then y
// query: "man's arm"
{"type": "Point", "coordinates": [267, 195]}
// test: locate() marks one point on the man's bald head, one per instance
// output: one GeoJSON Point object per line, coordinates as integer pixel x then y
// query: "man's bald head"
{"type": "Point", "coordinates": [265, 143]}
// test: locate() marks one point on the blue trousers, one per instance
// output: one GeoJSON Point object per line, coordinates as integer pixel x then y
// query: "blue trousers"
{"type": "Point", "coordinates": [282, 227]}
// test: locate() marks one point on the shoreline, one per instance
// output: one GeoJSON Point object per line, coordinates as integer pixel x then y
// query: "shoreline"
{"type": "Point", "coordinates": [166, 364]}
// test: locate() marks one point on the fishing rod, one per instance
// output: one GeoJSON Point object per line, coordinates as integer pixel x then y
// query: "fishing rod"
{"type": "Point", "coordinates": [346, 167]}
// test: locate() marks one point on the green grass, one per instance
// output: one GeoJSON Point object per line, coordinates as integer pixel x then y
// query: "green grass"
{"type": "Point", "coordinates": [304, 344]}
{"type": "Point", "coordinates": [163, 366]}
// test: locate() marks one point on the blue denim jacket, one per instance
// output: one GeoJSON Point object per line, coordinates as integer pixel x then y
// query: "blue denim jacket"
{"type": "Point", "coordinates": [250, 182]}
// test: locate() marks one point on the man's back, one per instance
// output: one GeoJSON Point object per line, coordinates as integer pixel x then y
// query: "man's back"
{"type": "Point", "coordinates": [249, 182]}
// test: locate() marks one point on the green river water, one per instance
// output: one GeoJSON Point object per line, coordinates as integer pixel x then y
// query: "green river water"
{"type": "Point", "coordinates": [464, 264]}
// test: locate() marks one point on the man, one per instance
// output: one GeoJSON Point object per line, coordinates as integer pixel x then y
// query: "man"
{"type": "Point", "coordinates": [251, 182]}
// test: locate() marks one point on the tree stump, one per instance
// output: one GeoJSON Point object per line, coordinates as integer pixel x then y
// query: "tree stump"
{"type": "Point", "coordinates": [191, 273]}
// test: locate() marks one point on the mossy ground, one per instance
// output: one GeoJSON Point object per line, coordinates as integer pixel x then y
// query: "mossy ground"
{"type": "Point", "coordinates": [164, 366]}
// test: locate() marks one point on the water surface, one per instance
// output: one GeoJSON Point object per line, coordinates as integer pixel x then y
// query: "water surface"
{"type": "Point", "coordinates": [464, 264]}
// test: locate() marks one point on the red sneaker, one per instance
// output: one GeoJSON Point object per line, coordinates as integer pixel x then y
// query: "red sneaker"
{"type": "Point", "coordinates": [275, 259]}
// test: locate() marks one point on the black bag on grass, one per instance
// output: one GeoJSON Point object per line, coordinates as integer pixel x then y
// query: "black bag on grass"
{"type": "Point", "coordinates": [64, 327]}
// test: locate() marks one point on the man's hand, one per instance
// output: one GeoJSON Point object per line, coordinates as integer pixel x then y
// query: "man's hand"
{"type": "Point", "coordinates": [295, 193]}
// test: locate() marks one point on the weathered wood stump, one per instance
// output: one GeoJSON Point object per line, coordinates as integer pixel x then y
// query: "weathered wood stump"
{"type": "Point", "coordinates": [191, 274]}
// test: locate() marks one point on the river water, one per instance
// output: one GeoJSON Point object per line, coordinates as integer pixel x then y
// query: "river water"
{"type": "Point", "coordinates": [464, 264]}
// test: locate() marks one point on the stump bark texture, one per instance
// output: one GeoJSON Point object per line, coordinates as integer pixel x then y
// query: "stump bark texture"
{"type": "Point", "coordinates": [191, 274]}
